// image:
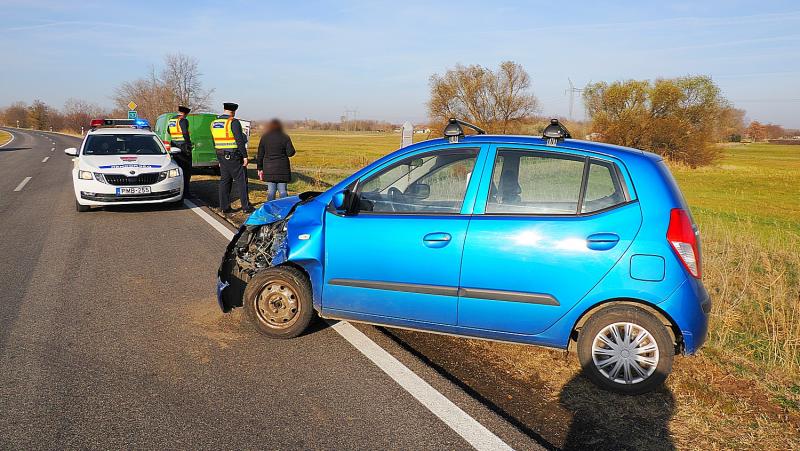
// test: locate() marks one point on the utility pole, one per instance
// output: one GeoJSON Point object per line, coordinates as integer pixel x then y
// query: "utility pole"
{"type": "Point", "coordinates": [571, 91]}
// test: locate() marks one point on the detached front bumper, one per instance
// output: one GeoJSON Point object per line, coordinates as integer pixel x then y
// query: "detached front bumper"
{"type": "Point", "coordinates": [230, 286]}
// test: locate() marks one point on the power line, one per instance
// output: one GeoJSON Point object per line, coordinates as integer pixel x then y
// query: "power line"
{"type": "Point", "coordinates": [571, 91]}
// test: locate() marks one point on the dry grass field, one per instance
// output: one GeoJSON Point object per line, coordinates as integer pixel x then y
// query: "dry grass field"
{"type": "Point", "coordinates": [4, 137]}
{"type": "Point", "coordinates": [741, 391]}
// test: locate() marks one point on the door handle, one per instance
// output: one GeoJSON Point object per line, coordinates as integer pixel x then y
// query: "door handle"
{"type": "Point", "coordinates": [437, 239]}
{"type": "Point", "coordinates": [602, 241]}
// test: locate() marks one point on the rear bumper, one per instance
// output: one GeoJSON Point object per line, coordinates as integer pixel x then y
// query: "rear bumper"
{"type": "Point", "coordinates": [690, 308]}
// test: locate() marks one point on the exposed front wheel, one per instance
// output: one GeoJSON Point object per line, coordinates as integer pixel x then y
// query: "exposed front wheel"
{"type": "Point", "coordinates": [278, 301]}
{"type": "Point", "coordinates": [625, 349]}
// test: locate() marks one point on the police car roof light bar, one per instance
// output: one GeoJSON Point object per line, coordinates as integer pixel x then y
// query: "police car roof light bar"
{"type": "Point", "coordinates": [124, 123]}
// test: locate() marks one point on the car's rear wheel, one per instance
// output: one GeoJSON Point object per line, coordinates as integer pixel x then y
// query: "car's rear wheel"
{"type": "Point", "coordinates": [278, 301]}
{"type": "Point", "coordinates": [625, 349]}
{"type": "Point", "coordinates": [81, 208]}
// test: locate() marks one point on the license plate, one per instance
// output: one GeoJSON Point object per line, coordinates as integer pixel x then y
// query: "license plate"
{"type": "Point", "coordinates": [133, 190]}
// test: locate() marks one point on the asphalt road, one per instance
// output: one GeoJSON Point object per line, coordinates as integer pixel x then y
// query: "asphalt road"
{"type": "Point", "coordinates": [110, 337]}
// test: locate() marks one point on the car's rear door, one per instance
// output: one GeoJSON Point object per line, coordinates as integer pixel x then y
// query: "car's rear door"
{"type": "Point", "coordinates": [548, 225]}
{"type": "Point", "coordinates": [399, 256]}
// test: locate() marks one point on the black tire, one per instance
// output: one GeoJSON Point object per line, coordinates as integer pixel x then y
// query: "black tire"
{"type": "Point", "coordinates": [81, 208]}
{"type": "Point", "coordinates": [641, 318]}
{"type": "Point", "coordinates": [291, 289]}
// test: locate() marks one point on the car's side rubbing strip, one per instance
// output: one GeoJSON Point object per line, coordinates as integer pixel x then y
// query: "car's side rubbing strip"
{"type": "Point", "coordinates": [397, 286]}
{"type": "Point", "coordinates": [476, 293]}
{"type": "Point", "coordinates": [510, 296]}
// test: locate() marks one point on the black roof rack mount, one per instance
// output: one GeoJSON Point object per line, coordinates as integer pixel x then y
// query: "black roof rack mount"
{"type": "Point", "coordinates": [453, 131]}
{"type": "Point", "coordinates": [555, 132]}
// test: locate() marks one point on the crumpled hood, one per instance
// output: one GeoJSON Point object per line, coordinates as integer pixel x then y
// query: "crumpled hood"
{"type": "Point", "coordinates": [272, 211]}
{"type": "Point", "coordinates": [115, 163]}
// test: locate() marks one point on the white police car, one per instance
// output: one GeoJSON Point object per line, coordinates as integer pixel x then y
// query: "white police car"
{"type": "Point", "coordinates": [122, 162]}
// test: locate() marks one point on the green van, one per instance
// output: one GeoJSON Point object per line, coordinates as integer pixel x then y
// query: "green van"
{"type": "Point", "coordinates": [203, 154]}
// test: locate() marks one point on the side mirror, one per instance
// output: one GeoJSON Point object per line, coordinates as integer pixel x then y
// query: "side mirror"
{"type": "Point", "coordinates": [173, 150]}
{"type": "Point", "coordinates": [73, 152]}
{"type": "Point", "coordinates": [343, 201]}
{"type": "Point", "coordinates": [418, 191]}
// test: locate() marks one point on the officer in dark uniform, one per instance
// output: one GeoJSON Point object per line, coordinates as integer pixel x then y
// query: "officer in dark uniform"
{"type": "Point", "coordinates": [231, 148]}
{"type": "Point", "coordinates": [178, 128]}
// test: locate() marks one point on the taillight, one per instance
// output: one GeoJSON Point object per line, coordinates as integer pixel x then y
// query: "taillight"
{"type": "Point", "coordinates": [167, 145]}
{"type": "Point", "coordinates": [681, 236]}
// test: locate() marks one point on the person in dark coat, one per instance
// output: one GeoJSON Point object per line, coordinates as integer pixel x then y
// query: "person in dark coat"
{"type": "Point", "coordinates": [272, 161]}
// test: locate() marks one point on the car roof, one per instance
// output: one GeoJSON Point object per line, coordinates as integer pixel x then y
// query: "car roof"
{"type": "Point", "coordinates": [120, 131]}
{"type": "Point", "coordinates": [620, 152]}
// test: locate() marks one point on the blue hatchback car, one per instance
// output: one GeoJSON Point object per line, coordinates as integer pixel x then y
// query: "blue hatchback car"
{"type": "Point", "coordinates": [546, 240]}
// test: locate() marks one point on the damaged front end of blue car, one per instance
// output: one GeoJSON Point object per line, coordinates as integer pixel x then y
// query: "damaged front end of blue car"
{"type": "Point", "coordinates": [261, 242]}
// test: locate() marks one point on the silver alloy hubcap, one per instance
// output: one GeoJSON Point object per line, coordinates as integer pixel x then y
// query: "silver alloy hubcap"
{"type": "Point", "coordinates": [625, 353]}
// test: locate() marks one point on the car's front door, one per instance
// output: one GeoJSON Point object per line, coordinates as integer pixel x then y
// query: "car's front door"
{"type": "Point", "coordinates": [548, 226]}
{"type": "Point", "coordinates": [399, 255]}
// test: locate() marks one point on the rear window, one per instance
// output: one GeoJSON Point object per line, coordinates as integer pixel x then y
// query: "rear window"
{"type": "Point", "coordinates": [127, 144]}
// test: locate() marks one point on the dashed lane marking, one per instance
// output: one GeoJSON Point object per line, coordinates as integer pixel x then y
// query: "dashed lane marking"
{"type": "Point", "coordinates": [45, 159]}
{"type": "Point", "coordinates": [22, 184]}
{"type": "Point", "coordinates": [453, 416]}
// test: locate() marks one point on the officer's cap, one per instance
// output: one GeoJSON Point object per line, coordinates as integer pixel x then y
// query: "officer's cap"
{"type": "Point", "coordinates": [230, 106]}
{"type": "Point", "coordinates": [184, 110]}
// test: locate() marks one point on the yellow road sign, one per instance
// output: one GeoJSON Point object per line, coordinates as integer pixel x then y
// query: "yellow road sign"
{"type": "Point", "coordinates": [132, 106]}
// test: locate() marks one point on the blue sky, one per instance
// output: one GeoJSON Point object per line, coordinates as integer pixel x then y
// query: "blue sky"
{"type": "Point", "coordinates": [315, 58]}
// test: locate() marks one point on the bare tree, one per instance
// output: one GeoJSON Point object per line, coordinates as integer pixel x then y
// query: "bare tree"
{"type": "Point", "coordinates": [39, 115]}
{"type": "Point", "coordinates": [178, 83]}
{"type": "Point", "coordinates": [16, 115]}
{"type": "Point", "coordinates": [79, 113]}
{"type": "Point", "coordinates": [494, 100]}
{"type": "Point", "coordinates": [182, 76]}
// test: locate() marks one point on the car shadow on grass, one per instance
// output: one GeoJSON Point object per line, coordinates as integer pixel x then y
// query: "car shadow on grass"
{"type": "Point", "coordinates": [607, 421]}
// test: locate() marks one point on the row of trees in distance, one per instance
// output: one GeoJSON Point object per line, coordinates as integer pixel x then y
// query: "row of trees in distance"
{"type": "Point", "coordinates": [681, 118]}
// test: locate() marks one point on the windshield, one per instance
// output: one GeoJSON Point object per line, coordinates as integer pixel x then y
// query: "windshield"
{"type": "Point", "coordinates": [123, 145]}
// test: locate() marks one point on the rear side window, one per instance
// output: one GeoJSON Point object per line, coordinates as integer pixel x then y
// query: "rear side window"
{"type": "Point", "coordinates": [603, 188]}
{"type": "Point", "coordinates": [531, 183]}
{"type": "Point", "coordinates": [541, 183]}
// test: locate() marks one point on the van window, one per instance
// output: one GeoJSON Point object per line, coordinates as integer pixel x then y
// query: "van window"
{"type": "Point", "coordinates": [525, 182]}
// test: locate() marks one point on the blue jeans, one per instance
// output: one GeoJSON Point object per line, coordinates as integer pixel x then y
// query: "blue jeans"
{"type": "Point", "coordinates": [271, 186]}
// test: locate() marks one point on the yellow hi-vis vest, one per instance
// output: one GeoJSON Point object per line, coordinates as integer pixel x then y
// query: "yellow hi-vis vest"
{"type": "Point", "coordinates": [175, 131]}
{"type": "Point", "coordinates": [222, 135]}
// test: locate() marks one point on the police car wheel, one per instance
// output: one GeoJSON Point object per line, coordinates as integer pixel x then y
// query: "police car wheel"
{"type": "Point", "coordinates": [625, 349]}
{"type": "Point", "coordinates": [81, 208]}
{"type": "Point", "coordinates": [278, 302]}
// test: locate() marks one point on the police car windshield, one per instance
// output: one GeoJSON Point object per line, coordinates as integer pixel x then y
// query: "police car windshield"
{"type": "Point", "coordinates": [123, 145]}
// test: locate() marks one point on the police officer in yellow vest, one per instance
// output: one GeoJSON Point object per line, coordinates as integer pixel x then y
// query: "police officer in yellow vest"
{"type": "Point", "coordinates": [231, 147]}
{"type": "Point", "coordinates": [178, 128]}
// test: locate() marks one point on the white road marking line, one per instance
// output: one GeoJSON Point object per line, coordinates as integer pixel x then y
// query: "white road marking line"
{"type": "Point", "coordinates": [459, 421]}
{"type": "Point", "coordinates": [45, 159]}
{"type": "Point", "coordinates": [209, 219]}
{"type": "Point", "coordinates": [22, 184]}
{"type": "Point", "coordinates": [52, 149]}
